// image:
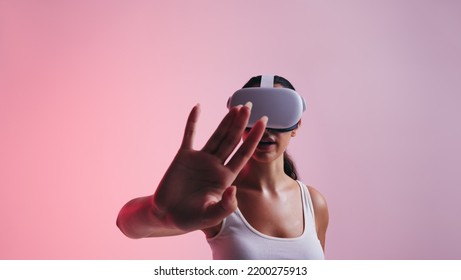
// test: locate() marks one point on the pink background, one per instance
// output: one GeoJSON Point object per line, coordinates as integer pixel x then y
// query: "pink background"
{"type": "Point", "coordinates": [95, 94]}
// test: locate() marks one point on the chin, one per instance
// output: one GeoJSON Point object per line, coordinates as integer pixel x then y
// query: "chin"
{"type": "Point", "coordinates": [265, 157]}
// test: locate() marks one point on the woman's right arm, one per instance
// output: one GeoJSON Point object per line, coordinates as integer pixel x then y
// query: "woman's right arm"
{"type": "Point", "coordinates": [137, 219]}
{"type": "Point", "coordinates": [196, 191]}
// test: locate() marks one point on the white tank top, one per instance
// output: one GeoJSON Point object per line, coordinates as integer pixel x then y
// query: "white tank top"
{"type": "Point", "coordinates": [238, 240]}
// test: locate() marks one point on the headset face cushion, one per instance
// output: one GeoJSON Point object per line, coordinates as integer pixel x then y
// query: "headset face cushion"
{"type": "Point", "coordinates": [282, 106]}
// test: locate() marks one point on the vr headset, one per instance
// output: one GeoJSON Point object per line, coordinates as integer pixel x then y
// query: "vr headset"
{"type": "Point", "coordinates": [283, 106]}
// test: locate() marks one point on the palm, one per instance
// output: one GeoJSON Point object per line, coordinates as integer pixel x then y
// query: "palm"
{"type": "Point", "coordinates": [196, 191]}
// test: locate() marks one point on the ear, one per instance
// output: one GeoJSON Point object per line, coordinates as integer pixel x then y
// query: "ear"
{"type": "Point", "coordinates": [294, 131]}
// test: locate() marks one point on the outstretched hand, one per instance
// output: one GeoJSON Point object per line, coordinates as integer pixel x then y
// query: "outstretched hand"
{"type": "Point", "coordinates": [196, 192]}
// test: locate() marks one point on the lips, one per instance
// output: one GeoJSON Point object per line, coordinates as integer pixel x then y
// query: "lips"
{"type": "Point", "coordinates": [266, 142]}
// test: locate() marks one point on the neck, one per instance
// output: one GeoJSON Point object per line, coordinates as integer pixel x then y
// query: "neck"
{"type": "Point", "coordinates": [263, 176]}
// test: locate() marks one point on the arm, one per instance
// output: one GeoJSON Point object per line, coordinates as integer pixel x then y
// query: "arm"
{"type": "Point", "coordinates": [321, 214]}
{"type": "Point", "coordinates": [196, 191]}
{"type": "Point", "coordinates": [138, 219]}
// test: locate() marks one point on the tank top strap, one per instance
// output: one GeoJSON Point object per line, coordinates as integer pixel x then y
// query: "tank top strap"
{"type": "Point", "coordinates": [307, 201]}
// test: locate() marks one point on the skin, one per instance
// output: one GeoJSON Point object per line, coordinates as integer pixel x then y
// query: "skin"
{"type": "Point", "coordinates": [267, 197]}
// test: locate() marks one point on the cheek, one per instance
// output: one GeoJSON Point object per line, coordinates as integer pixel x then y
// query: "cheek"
{"type": "Point", "coordinates": [284, 141]}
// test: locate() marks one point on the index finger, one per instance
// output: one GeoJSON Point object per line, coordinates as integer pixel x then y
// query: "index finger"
{"type": "Point", "coordinates": [245, 151]}
{"type": "Point", "coordinates": [222, 131]}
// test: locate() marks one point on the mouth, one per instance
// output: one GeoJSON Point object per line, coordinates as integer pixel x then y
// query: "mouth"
{"type": "Point", "coordinates": [266, 143]}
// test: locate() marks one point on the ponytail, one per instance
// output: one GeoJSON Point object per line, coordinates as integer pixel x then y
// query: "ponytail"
{"type": "Point", "coordinates": [289, 166]}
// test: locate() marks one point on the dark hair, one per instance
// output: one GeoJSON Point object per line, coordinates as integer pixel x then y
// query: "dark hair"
{"type": "Point", "coordinates": [256, 82]}
{"type": "Point", "coordinates": [288, 163]}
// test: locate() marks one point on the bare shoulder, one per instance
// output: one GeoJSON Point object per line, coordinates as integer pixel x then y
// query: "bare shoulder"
{"type": "Point", "coordinates": [318, 200]}
{"type": "Point", "coordinates": [321, 214]}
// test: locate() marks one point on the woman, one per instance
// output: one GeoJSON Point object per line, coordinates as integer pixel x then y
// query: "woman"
{"type": "Point", "coordinates": [201, 190]}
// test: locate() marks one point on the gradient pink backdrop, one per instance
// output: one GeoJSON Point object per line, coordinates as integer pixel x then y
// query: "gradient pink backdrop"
{"type": "Point", "coordinates": [94, 97]}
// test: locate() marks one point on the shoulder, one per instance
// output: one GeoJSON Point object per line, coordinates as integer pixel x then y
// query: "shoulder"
{"type": "Point", "coordinates": [318, 200]}
{"type": "Point", "coordinates": [320, 208]}
{"type": "Point", "coordinates": [321, 214]}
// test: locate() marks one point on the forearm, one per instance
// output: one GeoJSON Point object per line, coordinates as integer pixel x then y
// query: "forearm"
{"type": "Point", "coordinates": [137, 219]}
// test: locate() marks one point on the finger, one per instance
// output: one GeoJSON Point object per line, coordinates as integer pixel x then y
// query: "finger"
{"type": "Point", "coordinates": [213, 143]}
{"type": "Point", "coordinates": [246, 150]}
{"type": "Point", "coordinates": [216, 212]}
{"type": "Point", "coordinates": [234, 133]}
{"type": "Point", "coordinates": [189, 131]}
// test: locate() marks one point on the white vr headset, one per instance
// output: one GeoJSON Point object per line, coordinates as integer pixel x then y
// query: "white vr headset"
{"type": "Point", "coordinates": [283, 106]}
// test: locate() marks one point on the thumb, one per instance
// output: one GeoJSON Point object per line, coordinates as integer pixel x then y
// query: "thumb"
{"type": "Point", "coordinates": [229, 199]}
{"type": "Point", "coordinates": [216, 212]}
